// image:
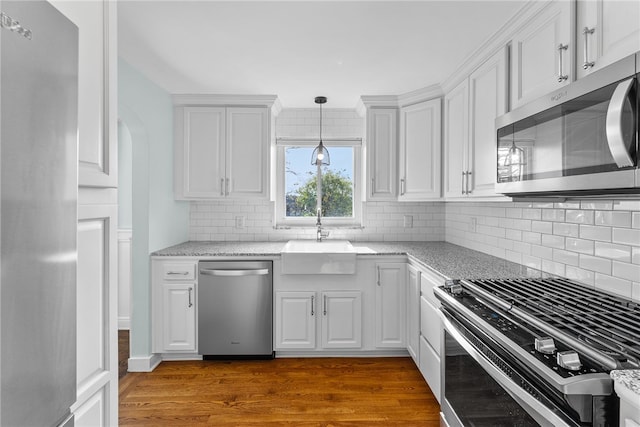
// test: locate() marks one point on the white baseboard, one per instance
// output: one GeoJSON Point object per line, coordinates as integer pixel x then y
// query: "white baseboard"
{"type": "Point", "coordinates": [124, 323]}
{"type": "Point", "coordinates": [325, 353]}
{"type": "Point", "coordinates": [144, 364]}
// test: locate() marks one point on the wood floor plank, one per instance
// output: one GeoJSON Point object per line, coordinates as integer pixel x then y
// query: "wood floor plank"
{"type": "Point", "coordinates": [287, 391]}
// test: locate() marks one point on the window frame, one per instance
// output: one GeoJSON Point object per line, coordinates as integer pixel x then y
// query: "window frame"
{"type": "Point", "coordinates": [281, 219]}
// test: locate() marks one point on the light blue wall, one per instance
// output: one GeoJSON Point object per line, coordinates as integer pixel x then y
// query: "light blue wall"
{"type": "Point", "coordinates": [125, 178]}
{"type": "Point", "coordinates": [158, 221]}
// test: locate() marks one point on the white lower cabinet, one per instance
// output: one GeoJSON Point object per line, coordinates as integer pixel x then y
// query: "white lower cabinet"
{"type": "Point", "coordinates": [413, 313]}
{"type": "Point", "coordinates": [390, 304]}
{"type": "Point", "coordinates": [174, 286]}
{"type": "Point", "coordinates": [179, 317]}
{"type": "Point", "coordinates": [297, 314]}
{"type": "Point", "coordinates": [295, 320]}
{"type": "Point", "coordinates": [342, 319]}
{"type": "Point", "coordinates": [428, 334]}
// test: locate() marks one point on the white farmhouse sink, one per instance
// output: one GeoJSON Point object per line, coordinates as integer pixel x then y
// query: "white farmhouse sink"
{"type": "Point", "coordinates": [313, 257]}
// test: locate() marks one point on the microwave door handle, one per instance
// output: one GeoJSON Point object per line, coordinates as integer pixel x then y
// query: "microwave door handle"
{"type": "Point", "coordinates": [615, 136]}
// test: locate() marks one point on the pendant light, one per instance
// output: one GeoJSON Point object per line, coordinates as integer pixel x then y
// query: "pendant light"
{"type": "Point", "coordinates": [320, 154]}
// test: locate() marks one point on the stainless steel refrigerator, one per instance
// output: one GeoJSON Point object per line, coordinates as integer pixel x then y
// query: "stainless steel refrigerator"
{"type": "Point", "coordinates": [38, 214]}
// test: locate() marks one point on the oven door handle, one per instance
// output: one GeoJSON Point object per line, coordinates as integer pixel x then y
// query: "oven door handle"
{"type": "Point", "coordinates": [538, 411]}
{"type": "Point", "coordinates": [614, 126]}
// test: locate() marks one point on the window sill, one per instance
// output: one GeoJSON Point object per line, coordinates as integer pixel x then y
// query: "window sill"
{"type": "Point", "coordinates": [351, 226]}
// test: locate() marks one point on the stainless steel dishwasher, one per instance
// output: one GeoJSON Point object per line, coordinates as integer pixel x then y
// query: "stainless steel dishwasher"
{"type": "Point", "coordinates": [235, 309]}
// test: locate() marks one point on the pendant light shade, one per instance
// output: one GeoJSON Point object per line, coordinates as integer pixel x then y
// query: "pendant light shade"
{"type": "Point", "coordinates": [320, 155]}
{"type": "Point", "coordinates": [515, 162]}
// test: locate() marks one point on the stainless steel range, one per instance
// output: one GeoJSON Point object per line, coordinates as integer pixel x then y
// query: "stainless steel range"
{"type": "Point", "coordinates": [521, 352]}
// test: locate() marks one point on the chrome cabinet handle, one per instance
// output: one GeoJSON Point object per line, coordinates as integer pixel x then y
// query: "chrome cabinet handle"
{"type": "Point", "coordinates": [615, 133]}
{"type": "Point", "coordinates": [235, 273]}
{"type": "Point", "coordinates": [177, 273]}
{"type": "Point", "coordinates": [313, 304]}
{"type": "Point", "coordinates": [222, 186]}
{"type": "Point", "coordinates": [587, 64]}
{"type": "Point", "coordinates": [190, 303]}
{"type": "Point", "coordinates": [226, 186]}
{"type": "Point", "coordinates": [402, 187]}
{"type": "Point", "coordinates": [373, 183]}
{"type": "Point", "coordinates": [324, 306]}
{"type": "Point", "coordinates": [378, 278]}
{"type": "Point", "coordinates": [467, 183]}
{"type": "Point", "coordinates": [462, 184]}
{"type": "Point", "coordinates": [561, 76]}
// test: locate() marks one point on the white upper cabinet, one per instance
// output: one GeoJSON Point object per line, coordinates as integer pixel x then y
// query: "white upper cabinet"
{"type": "Point", "coordinates": [382, 125]}
{"type": "Point", "coordinates": [542, 53]}
{"type": "Point", "coordinates": [203, 147]}
{"type": "Point", "coordinates": [487, 101]}
{"type": "Point", "coordinates": [420, 160]}
{"type": "Point", "coordinates": [471, 109]}
{"type": "Point", "coordinates": [221, 151]}
{"type": "Point", "coordinates": [247, 154]}
{"type": "Point", "coordinates": [607, 30]}
{"type": "Point", "coordinates": [456, 136]}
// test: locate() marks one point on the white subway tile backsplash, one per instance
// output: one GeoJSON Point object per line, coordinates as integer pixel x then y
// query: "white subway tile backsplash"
{"type": "Point", "coordinates": [613, 285]}
{"type": "Point", "coordinates": [579, 245]}
{"type": "Point", "coordinates": [552, 241]}
{"type": "Point", "coordinates": [592, 263]}
{"type": "Point", "coordinates": [553, 215]}
{"type": "Point", "coordinates": [578, 239]}
{"type": "Point", "coordinates": [613, 251]}
{"type": "Point", "coordinates": [579, 216]}
{"type": "Point", "coordinates": [626, 236]}
{"type": "Point", "coordinates": [614, 218]}
{"type": "Point", "coordinates": [626, 271]}
{"type": "Point", "coordinates": [595, 233]}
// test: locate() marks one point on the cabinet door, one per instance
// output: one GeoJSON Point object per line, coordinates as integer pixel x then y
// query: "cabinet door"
{"type": "Point", "coordinates": [179, 317]}
{"type": "Point", "coordinates": [613, 32]}
{"type": "Point", "coordinates": [413, 313]}
{"type": "Point", "coordinates": [342, 319]}
{"type": "Point", "coordinates": [390, 305]}
{"type": "Point", "coordinates": [381, 153]}
{"type": "Point", "coordinates": [295, 320]}
{"type": "Point", "coordinates": [487, 97]}
{"type": "Point", "coordinates": [201, 171]}
{"type": "Point", "coordinates": [536, 56]}
{"type": "Point", "coordinates": [456, 133]}
{"type": "Point", "coordinates": [247, 152]}
{"type": "Point", "coordinates": [420, 141]}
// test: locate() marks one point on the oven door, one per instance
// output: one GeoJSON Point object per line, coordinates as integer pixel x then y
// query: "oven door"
{"type": "Point", "coordinates": [480, 388]}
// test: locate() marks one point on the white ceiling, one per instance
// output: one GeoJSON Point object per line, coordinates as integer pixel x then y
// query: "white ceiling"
{"type": "Point", "coordinates": [300, 49]}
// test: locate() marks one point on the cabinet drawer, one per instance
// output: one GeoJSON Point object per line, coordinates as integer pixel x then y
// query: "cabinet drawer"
{"type": "Point", "coordinates": [427, 282]}
{"type": "Point", "coordinates": [179, 271]}
{"type": "Point", "coordinates": [430, 367]}
{"type": "Point", "coordinates": [430, 324]}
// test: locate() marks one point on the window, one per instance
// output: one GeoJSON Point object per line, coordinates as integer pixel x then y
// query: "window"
{"type": "Point", "coordinates": [296, 194]}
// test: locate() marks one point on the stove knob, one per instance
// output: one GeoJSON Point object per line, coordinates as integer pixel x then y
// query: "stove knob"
{"type": "Point", "coordinates": [568, 360]}
{"type": "Point", "coordinates": [545, 345]}
{"type": "Point", "coordinates": [453, 286]}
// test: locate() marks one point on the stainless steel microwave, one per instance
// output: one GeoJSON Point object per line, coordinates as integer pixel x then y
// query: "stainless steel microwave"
{"type": "Point", "coordinates": [581, 140]}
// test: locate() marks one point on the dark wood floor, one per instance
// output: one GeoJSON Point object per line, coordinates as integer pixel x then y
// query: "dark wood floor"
{"type": "Point", "coordinates": [295, 392]}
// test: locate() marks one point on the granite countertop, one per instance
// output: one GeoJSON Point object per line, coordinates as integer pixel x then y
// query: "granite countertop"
{"type": "Point", "coordinates": [627, 384]}
{"type": "Point", "coordinates": [452, 261]}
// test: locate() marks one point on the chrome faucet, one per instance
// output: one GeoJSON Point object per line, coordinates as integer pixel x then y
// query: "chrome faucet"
{"type": "Point", "coordinates": [319, 233]}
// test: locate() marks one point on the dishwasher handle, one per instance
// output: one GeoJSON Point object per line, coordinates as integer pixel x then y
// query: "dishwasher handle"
{"type": "Point", "coordinates": [234, 273]}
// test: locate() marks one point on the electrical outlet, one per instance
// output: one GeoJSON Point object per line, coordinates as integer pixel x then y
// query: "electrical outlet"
{"type": "Point", "coordinates": [240, 221]}
{"type": "Point", "coordinates": [473, 223]}
{"type": "Point", "coordinates": [408, 221]}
